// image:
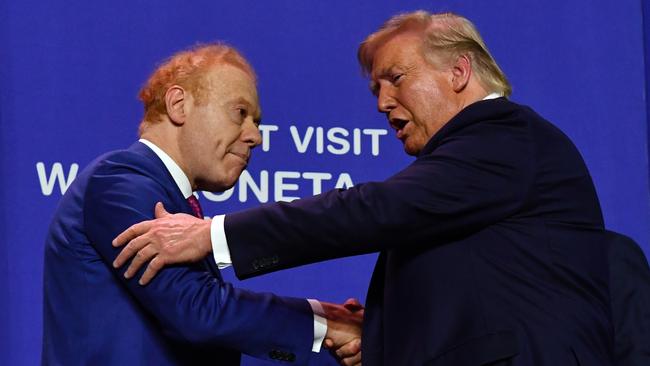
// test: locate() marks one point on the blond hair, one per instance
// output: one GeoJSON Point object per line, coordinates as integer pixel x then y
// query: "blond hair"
{"type": "Point", "coordinates": [446, 36]}
{"type": "Point", "coordinates": [186, 69]}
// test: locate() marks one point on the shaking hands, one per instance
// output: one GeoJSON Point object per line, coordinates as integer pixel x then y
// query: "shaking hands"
{"type": "Point", "coordinates": [344, 324]}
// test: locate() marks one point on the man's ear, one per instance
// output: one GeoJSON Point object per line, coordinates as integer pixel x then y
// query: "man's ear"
{"type": "Point", "coordinates": [461, 73]}
{"type": "Point", "coordinates": [175, 102]}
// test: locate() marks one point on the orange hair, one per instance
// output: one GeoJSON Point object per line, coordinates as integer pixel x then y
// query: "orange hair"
{"type": "Point", "coordinates": [186, 69]}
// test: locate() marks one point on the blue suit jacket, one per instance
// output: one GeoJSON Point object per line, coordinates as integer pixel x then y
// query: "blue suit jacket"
{"type": "Point", "coordinates": [492, 247]}
{"type": "Point", "coordinates": [186, 316]}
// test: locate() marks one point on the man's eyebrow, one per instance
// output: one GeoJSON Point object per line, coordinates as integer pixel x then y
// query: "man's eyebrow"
{"type": "Point", "coordinates": [245, 102]}
{"type": "Point", "coordinates": [240, 100]}
{"type": "Point", "coordinates": [382, 74]}
{"type": "Point", "coordinates": [257, 114]}
{"type": "Point", "coordinates": [385, 72]}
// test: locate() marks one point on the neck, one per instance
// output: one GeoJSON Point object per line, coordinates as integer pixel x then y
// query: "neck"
{"type": "Point", "coordinates": [165, 136]}
{"type": "Point", "coordinates": [473, 92]}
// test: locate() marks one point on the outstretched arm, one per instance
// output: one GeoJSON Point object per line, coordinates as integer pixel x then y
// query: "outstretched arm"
{"type": "Point", "coordinates": [462, 187]}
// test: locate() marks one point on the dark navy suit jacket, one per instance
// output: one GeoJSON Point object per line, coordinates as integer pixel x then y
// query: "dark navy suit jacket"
{"type": "Point", "coordinates": [185, 316]}
{"type": "Point", "coordinates": [630, 298]}
{"type": "Point", "coordinates": [492, 247]}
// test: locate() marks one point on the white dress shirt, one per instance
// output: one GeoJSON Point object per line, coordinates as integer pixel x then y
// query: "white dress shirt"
{"type": "Point", "coordinates": [218, 236]}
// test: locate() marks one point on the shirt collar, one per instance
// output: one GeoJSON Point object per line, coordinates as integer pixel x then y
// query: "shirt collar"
{"type": "Point", "coordinates": [177, 173]}
{"type": "Point", "coordinates": [493, 96]}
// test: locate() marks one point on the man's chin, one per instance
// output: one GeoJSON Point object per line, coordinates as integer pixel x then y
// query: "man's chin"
{"type": "Point", "coordinates": [217, 186]}
{"type": "Point", "coordinates": [410, 150]}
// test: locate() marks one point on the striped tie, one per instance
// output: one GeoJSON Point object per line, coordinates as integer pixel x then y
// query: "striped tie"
{"type": "Point", "coordinates": [196, 207]}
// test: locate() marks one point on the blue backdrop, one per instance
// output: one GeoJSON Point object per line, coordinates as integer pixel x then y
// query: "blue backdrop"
{"type": "Point", "coordinates": [70, 72]}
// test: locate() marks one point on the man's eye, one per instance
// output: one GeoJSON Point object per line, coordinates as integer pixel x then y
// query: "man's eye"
{"type": "Point", "coordinates": [243, 112]}
{"type": "Point", "coordinates": [395, 78]}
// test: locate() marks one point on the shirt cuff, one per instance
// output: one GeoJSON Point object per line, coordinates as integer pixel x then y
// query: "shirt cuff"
{"type": "Point", "coordinates": [320, 325]}
{"type": "Point", "coordinates": [220, 250]}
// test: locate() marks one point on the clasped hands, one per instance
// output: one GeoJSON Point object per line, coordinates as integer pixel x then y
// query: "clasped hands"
{"type": "Point", "coordinates": [344, 323]}
{"type": "Point", "coordinates": [182, 238]}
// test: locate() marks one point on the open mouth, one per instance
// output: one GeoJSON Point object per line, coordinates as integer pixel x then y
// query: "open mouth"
{"type": "Point", "coordinates": [398, 125]}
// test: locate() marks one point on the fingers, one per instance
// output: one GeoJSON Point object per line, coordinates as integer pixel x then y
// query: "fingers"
{"type": "Point", "coordinates": [352, 301]}
{"type": "Point", "coordinates": [160, 211]}
{"type": "Point", "coordinates": [348, 354]}
{"type": "Point", "coordinates": [153, 268]}
{"type": "Point", "coordinates": [344, 331]}
{"type": "Point", "coordinates": [141, 257]}
{"type": "Point", "coordinates": [132, 232]}
{"type": "Point", "coordinates": [165, 240]}
{"type": "Point", "coordinates": [140, 228]}
{"type": "Point", "coordinates": [352, 361]}
{"type": "Point", "coordinates": [349, 349]}
{"type": "Point", "coordinates": [131, 249]}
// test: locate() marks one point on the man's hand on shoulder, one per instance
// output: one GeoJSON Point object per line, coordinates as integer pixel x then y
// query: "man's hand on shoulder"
{"type": "Point", "coordinates": [168, 239]}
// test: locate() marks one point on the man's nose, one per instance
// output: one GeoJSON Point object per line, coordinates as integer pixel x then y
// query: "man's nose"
{"type": "Point", "coordinates": [251, 134]}
{"type": "Point", "coordinates": [385, 101]}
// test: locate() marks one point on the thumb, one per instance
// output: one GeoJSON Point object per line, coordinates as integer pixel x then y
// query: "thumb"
{"type": "Point", "coordinates": [160, 210]}
{"type": "Point", "coordinates": [352, 305]}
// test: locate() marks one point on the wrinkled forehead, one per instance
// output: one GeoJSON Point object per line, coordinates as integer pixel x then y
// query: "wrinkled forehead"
{"type": "Point", "coordinates": [397, 50]}
{"type": "Point", "coordinates": [234, 85]}
{"type": "Point", "coordinates": [226, 78]}
{"type": "Point", "coordinates": [368, 48]}
{"type": "Point", "coordinates": [241, 65]}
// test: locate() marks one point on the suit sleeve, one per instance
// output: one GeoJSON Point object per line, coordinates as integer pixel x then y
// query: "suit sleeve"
{"type": "Point", "coordinates": [473, 179]}
{"type": "Point", "coordinates": [189, 303]}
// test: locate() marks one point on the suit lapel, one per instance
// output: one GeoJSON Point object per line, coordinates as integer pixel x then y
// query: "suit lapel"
{"type": "Point", "coordinates": [164, 177]}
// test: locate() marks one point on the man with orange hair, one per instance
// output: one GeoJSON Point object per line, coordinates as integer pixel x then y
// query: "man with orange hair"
{"type": "Point", "coordinates": [200, 125]}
